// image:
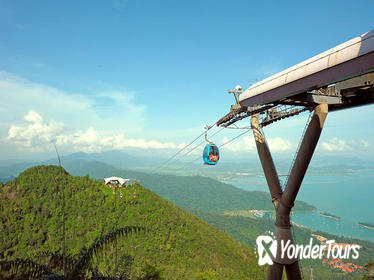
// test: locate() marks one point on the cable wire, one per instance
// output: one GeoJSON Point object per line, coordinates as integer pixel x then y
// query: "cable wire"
{"type": "Point", "coordinates": [179, 151]}
{"type": "Point", "coordinates": [241, 134]}
{"type": "Point", "coordinates": [197, 146]}
{"type": "Point", "coordinates": [201, 143]}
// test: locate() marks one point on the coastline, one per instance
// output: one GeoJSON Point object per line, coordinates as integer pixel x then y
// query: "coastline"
{"type": "Point", "coordinates": [329, 216]}
{"type": "Point", "coordinates": [347, 226]}
{"type": "Point", "coordinates": [366, 226]}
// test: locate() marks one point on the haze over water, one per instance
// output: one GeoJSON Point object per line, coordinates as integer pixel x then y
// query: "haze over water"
{"type": "Point", "coordinates": [350, 197]}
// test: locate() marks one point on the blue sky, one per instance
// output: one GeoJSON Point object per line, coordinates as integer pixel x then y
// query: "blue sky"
{"type": "Point", "coordinates": [151, 74]}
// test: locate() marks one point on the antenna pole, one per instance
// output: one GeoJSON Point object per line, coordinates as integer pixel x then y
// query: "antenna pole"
{"type": "Point", "coordinates": [237, 91]}
{"type": "Point", "coordinates": [63, 218]}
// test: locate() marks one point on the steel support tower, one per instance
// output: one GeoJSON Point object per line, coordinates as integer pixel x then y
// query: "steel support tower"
{"type": "Point", "coordinates": [284, 200]}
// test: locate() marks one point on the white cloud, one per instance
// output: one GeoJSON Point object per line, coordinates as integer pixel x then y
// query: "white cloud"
{"type": "Point", "coordinates": [365, 144]}
{"type": "Point", "coordinates": [340, 145]}
{"type": "Point", "coordinates": [335, 144]}
{"type": "Point", "coordinates": [37, 135]}
{"type": "Point", "coordinates": [246, 144]}
{"type": "Point", "coordinates": [278, 144]}
{"type": "Point", "coordinates": [33, 117]}
{"type": "Point", "coordinates": [110, 110]}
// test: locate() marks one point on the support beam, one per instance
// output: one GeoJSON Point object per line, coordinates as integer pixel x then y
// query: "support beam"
{"type": "Point", "coordinates": [304, 155]}
{"type": "Point", "coordinates": [267, 162]}
{"type": "Point", "coordinates": [283, 202]}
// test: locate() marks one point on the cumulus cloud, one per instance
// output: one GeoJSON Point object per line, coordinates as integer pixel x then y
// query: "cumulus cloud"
{"type": "Point", "coordinates": [335, 144]}
{"type": "Point", "coordinates": [340, 145]}
{"type": "Point", "coordinates": [365, 144]}
{"type": "Point", "coordinates": [36, 134]}
{"type": "Point", "coordinates": [279, 144]}
{"type": "Point", "coordinates": [246, 144]}
{"type": "Point", "coordinates": [106, 109]}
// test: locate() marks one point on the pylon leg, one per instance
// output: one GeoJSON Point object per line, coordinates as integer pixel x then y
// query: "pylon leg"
{"type": "Point", "coordinates": [267, 163]}
{"type": "Point", "coordinates": [283, 202]}
{"type": "Point", "coordinates": [293, 271]}
{"type": "Point", "coordinates": [305, 154]}
{"type": "Point", "coordinates": [275, 272]}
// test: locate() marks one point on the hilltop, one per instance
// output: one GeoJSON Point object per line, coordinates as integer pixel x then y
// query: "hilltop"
{"type": "Point", "coordinates": [179, 244]}
{"type": "Point", "coordinates": [195, 192]}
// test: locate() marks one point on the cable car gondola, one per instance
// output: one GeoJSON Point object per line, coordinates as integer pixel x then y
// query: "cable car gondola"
{"type": "Point", "coordinates": [211, 152]}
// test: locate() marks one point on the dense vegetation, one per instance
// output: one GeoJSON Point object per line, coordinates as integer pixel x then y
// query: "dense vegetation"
{"type": "Point", "coordinates": [205, 198]}
{"type": "Point", "coordinates": [178, 244]}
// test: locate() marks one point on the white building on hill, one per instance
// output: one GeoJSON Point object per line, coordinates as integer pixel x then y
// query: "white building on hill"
{"type": "Point", "coordinates": [117, 181]}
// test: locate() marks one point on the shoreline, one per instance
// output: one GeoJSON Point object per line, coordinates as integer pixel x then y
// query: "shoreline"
{"type": "Point", "coordinates": [329, 216]}
{"type": "Point", "coordinates": [365, 226]}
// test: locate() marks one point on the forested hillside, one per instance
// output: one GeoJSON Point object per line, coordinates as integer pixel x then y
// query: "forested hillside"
{"type": "Point", "coordinates": [179, 245]}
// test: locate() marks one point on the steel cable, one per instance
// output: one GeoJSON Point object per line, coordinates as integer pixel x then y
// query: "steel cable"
{"type": "Point", "coordinates": [179, 151]}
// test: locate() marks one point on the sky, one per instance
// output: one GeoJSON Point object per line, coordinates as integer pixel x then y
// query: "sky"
{"type": "Point", "coordinates": [148, 76]}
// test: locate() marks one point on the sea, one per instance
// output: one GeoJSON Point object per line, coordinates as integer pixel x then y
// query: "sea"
{"type": "Point", "coordinates": [349, 196]}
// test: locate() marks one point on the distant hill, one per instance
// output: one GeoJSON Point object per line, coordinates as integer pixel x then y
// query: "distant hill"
{"type": "Point", "coordinates": [116, 158]}
{"type": "Point", "coordinates": [195, 192]}
{"type": "Point", "coordinates": [229, 166]}
{"type": "Point", "coordinates": [180, 245]}
{"type": "Point", "coordinates": [6, 179]}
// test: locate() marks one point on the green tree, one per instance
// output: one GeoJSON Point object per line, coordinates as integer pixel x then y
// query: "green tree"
{"type": "Point", "coordinates": [79, 266]}
{"type": "Point", "coordinates": [370, 270]}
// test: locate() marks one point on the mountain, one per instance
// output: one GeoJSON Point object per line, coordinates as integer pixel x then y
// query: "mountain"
{"type": "Point", "coordinates": [6, 179]}
{"type": "Point", "coordinates": [229, 166]}
{"type": "Point", "coordinates": [180, 245]}
{"type": "Point", "coordinates": [117, 158]}
{"type": "Point", "coordinates": [195, 192]}
{"type": "Point", "coordinates": [10, 168]}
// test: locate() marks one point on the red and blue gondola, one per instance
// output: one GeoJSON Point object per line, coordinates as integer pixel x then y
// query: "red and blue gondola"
{"type": "Point", "coordinates": [211, 154]}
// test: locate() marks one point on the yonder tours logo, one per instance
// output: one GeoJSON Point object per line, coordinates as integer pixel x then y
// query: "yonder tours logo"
{"type": "Point", "coordinates": [267, 248]}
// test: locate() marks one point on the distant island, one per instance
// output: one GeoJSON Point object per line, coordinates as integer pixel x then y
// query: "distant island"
{"type": "Point", "coordinates": [328, 215]}
{"type": "Point", "coordinates": [366, 225]}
